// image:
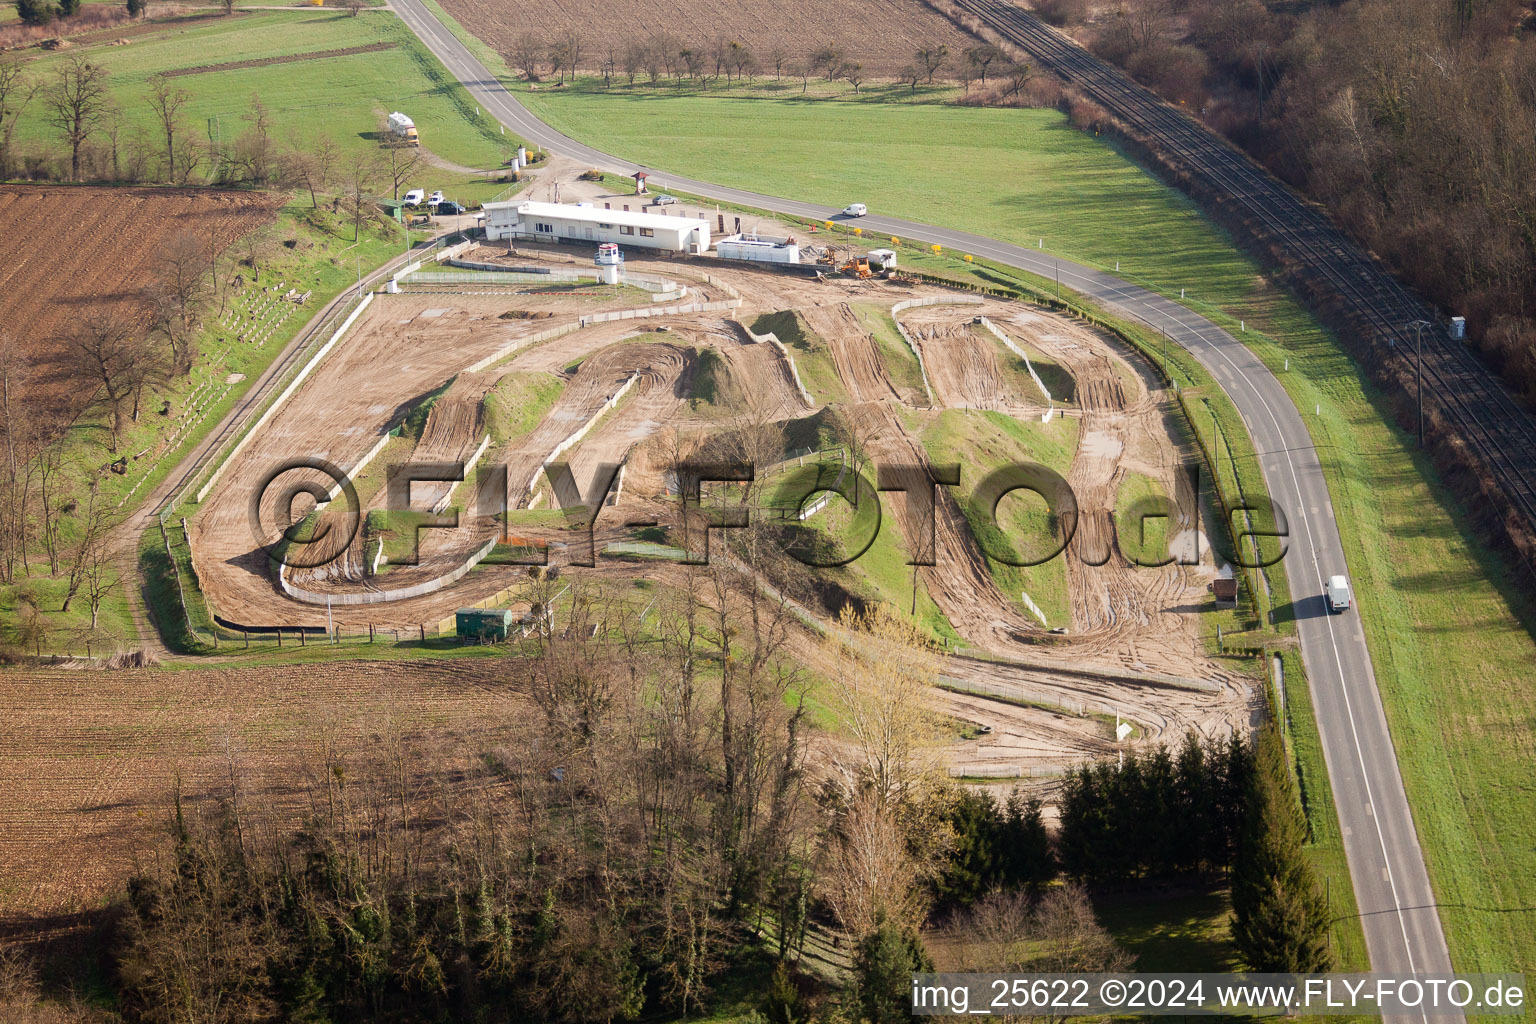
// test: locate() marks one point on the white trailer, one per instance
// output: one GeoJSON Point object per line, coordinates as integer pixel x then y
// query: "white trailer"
{"type": "Point", "coordinates": [758, 249]}
{"type": "Point", "coordinates": [403, 128]}
{"type": "Point", "coordinates": [583, 223]}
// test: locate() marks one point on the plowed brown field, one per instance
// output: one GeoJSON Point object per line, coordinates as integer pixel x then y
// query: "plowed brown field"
{"type": "Point", "coordinates": [92, 758]}
{"type": "Point", "coordinates": [880, 34]}
{"type": "Point", "coordinates": [75, 249]}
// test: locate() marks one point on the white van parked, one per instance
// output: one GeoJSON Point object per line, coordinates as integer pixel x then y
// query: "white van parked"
{"type": "Point", "coordinates": [1337, 594]}
{"type": "Point", "coordinates": [855, 210]}
{"type": "Point", "coordinates": [415, 197]}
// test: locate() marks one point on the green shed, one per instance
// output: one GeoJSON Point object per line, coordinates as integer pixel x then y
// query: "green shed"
{"type": "Point", "coordinates": [482, 625]}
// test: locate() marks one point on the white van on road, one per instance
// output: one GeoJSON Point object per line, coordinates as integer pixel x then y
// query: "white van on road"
{"type": "Point", "coordinates": [855, 210]}
{"type": "Point", "coordinates": [1337, 594]}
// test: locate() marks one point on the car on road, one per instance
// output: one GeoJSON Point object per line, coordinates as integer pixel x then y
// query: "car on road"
{"type": "Point", "coordinates": [855, 210]}
{"type": "Point", "coordinates": [415, 197]}
{"type": "Point", "coordinates": [448, 208]}
{"type": "Point", "coordinates": [1338, 594]}
{"type": "Point", "coordinates": [664, 200]}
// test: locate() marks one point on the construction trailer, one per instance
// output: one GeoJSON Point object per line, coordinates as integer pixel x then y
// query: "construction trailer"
{"type": "Point", "coordinates": [1224, 586]}
{"type": "Point", "coordinates": [882, 259]}
{"type": "Point", "coordinates": [482, 625]}
{"type": "Point", "coordinates": [403, 129]}
{"type": "Point", "coordinates": [583, 223]}
{"type": "Point", "coordinates": [758, 248]}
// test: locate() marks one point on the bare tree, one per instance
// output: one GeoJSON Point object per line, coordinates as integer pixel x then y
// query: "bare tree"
{"type": "Point", "coordinates": [89, 551]}
{"type": "Point", "coordinates": [166, 100]}
{"type": "Point", "coordinates": [965, 74]}
{"type": "Point", "coordinates": [528, 50]}
{"type": "Point", "coordinates": [1006, 932]}
{"type": "Point", "coordinates": [255, 144]}
{"type": "Point", "coordinates": [190, 151]}
{"type": "Point", "coordinates": [983, 57]}
{"type": "Point", "coordinates": [884, 670]}
{"type": "Point", "coordinates": [117, 131]}
{"type": "Point", "coordinates": [300, 166]}
{"type": "Point", "coordinates": [359, 180]}
{"type": "Point", "coordinates": [853, 73]}
{"type": "Point", "coordinates": [632, 59]}
{"type": "Point", "coordinates": [354, 7]}
{"type": "Point", "coordinates": [873, 875]}
{"type": "Point", "coordinates": [910, 75]}
{"type": "Point", "coordinates": [76, 102]}
{"type": "Point", "coordinates": [16, 92]}
{"type": "Point", "coordinates": [828, 60]}
{"type": "Point", "coordinates": [109, 354]}
{"type": "Point", "coordinates": [565, 52]}
{"type": "Point", "coordinates": [325, 155]}
{"type": "Point", "coordinates": [99, 577]}
{"type": "Point", "coordinates": [1016, 77]}
{"type": "Point", "coordinates": [229, 7]}
{"type": "Point", "coordinates": [403, 159]}
{"type": "Point", "coordinates": [931, 58]}
{"type": "Point", "coordinates": [743, 61]}
{"type": "Point", "coordinates": [657, 58]}
{"type": "Point", "coordinates": [778, 57]}
{"type": "Point", "coordinates": [177, 297]}
{"type": "Point", "coordinates": [573, 51]}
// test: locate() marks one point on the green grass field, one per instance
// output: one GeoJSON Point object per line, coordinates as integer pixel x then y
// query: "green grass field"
{"type": "Point", "coordinates": [1024, 175]}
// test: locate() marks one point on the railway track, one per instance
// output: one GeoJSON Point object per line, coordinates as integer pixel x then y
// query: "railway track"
{"type": "Point", "coordinates": [1497, 430]}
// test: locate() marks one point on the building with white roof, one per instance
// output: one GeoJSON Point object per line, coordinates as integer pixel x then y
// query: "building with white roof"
{"type": "Point", "coordinates": [527, 220]}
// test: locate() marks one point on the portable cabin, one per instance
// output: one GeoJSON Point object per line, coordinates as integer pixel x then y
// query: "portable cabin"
{"type": "Point", "coordinates": [482, 625]}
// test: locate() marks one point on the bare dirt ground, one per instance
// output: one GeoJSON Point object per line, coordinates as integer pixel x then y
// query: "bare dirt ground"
{"type": "Point", "coordinates": [92, 758]}
{"type": "Point", "coordinates": [882, 35]}
{"type": "Point", "coordinates": [859, 363]}
{"type": "Point", "coordinates": [45, 285]}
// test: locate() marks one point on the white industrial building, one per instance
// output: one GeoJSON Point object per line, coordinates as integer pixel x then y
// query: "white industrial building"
{"type": "Point", "coordinates": [758, 248]}
{"type": "Point", "coordinates": [582, 222]}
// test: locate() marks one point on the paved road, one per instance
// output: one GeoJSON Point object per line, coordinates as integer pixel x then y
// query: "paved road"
{"type": "Point", "coordinates": [1402, 928]}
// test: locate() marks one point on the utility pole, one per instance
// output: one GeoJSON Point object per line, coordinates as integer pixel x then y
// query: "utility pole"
{"type": "Point", "coordinates": [1418, 344]}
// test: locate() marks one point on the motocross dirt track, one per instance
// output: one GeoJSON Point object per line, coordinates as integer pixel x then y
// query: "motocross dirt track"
{"type": "Point", "coordinates": [627, 397]}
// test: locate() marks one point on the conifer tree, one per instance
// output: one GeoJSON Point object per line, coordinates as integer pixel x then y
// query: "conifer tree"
{"type": "Point", "coordinates": [1280, 921]}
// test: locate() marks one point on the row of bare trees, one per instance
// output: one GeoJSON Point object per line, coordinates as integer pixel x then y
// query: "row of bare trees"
{"type": "Point", "coordinates": [55, 519]}
{"type": "Point", "coordinates": [662, 55]}
{"type": "Point", "coordinates": [98, 142]}
{"type": "Point", "coordinates": [1414, 122]}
